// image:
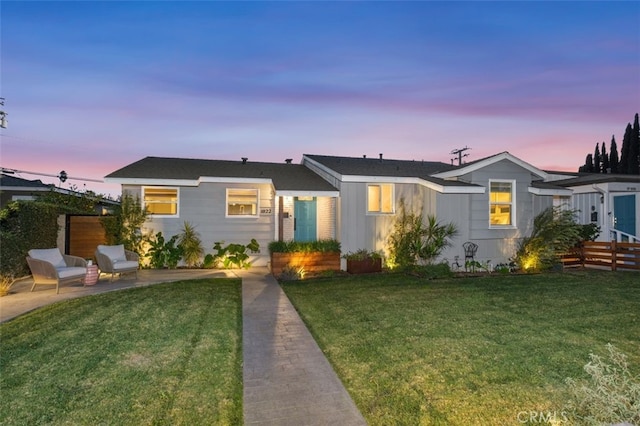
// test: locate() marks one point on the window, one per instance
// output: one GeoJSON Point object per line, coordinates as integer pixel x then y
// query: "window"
{"type": "Point", "coordinates": [501, 203]}
{"type": "Point", "coordinates": [161, 201]}
{"type": "Point", "coordinates": [242, 202]}
{"type": "Point", "coordinates": [380, 198]}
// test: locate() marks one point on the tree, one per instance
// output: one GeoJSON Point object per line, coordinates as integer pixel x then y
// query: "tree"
{"type": "Point", "coordinates": [605, 160]}
{"type": "Point", "coordinates": [614, 160]}
{"type": "Point", "coordinates": [597, 161]}
{"type": "Point", "coordinates": [634, 148]}
{"type": "Point", "coordinates": [123, 226]}
{"type": "Point", "coordinates": [625, 152]}
{"type": "Point", "coordinates": [588, 164]}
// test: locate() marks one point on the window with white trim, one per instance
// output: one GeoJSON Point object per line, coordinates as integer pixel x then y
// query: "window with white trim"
{"type": "Point", "coordinates": [501, 203]}
{"type": "Point", "coordinates": [380, 198]}
{"type": "Point", "coordinates": [161, 201]}
{"type": "Point", "coordinates": [242, 202]}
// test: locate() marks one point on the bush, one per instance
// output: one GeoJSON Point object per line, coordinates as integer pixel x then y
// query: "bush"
{"type": "Point", "coordinates": [321, 246]}
{"type": "Point", "coordinates": [412, 241]}
{"type": "Point", "coordinates": [611, 396]}
{"type": "Point", "coordinates": [234, 255]}
{"type": "Point", "coordinates": [25, 225]}
{"type": "Point", "coordinates": [191, 245]}
{"type": "Point", "coordinates": [123, 226]}
{"type": "Point", "coordinates": [163, 253]}
{"type": "Point", "coordinates": [555, 232]}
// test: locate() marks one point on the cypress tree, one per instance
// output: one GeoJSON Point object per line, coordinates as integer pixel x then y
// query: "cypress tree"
{"type": "Point", "coordinates": [625, 151]}
{"type": "Point", "coordinates": [614, 161]}
{"type": "Point", "coordinates": [597, 161]}
{"type": "Point", "coordinates": [605, 160]}
{"type": "Point", "coordinates": [588, 164]}
{"type": "Point", "coordinates": [634, 148]}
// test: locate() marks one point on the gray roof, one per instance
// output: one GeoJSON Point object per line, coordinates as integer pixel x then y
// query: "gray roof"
{"type": "Point", "coordinates": [364, 166]}
{"type": "Point", "coordinates": [592, 178]}
{"type": "Point", "coordinates": [8, 181]}
{"type": "Point", "coordinates": [285, 177]}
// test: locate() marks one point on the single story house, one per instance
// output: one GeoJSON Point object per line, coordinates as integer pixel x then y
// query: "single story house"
{"type": "Point", "coordinates": [353, 199]}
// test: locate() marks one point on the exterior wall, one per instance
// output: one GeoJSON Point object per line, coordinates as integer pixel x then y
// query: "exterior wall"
{"type": "Point", "coordinates": [204, 207]}
{"type": "Point", "coordinates": [497, 245]}
{"type": "Point", "coordinates": [326, 218]}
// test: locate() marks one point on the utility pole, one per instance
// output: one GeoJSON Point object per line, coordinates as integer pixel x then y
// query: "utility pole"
{"type": "Point", "coordinates": [459, 153]}
{"type": "Point", "coordinates": [3, 116]}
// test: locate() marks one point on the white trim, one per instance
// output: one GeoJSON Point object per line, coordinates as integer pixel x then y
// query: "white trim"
{"type": "Point", "coordinates": [186, 182]}
{"type": "Point", "coordinates": [288, 193]}
{"type": "Point", "coordinates": [393, 200]}
{"type": "Point", "coordinates": [241, 216]}
{"type": "Point", "coordinates": [491, 160]}
{"type": "Point", "coordinates": [512, 204]}
{"type": "Point", "coordinates": [549, 191]}
{"type": "Point", "coordinates": [154, 215]}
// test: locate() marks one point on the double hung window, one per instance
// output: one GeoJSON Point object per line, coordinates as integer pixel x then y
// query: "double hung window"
{"type": "Point", "coordinates": [161, 201]}
{"type": "Point", "coordinates": [501, 203]}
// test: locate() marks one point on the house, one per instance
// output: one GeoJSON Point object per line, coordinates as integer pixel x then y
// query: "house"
{"type": "Point", "coordinates": [232, 201]}
{"type": "Point", "coordinates": [354, 199]}
{"type": "Point", "coordinates": [13, 188]}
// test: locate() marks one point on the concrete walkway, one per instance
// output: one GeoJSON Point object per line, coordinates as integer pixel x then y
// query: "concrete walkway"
{"type": "Point", "coordinates": [287, 379]}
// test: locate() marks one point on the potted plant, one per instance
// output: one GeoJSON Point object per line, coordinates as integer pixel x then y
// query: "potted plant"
{"type": "Point", "coordinates": [363, 261]}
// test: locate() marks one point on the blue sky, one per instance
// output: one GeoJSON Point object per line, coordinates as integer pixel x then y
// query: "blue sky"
{"type": "Point", "coordinates": [93, 86]}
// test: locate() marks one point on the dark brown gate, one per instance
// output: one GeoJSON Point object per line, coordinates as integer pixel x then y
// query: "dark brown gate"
{"type": "Point", "coordinates": [83, 234]}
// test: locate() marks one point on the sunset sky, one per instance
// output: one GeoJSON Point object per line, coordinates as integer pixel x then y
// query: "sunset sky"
{"type": "Point", "coordinates": [90, 87]}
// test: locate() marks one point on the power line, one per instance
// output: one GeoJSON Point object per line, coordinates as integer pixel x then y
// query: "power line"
{"type": "Point", "coordinates": [63, 176]}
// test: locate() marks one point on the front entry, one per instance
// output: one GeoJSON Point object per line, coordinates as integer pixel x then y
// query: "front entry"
{"type": "Point", "coordinates": [305, 215]}
{"type": "Point", "coordinates": [624, 211]}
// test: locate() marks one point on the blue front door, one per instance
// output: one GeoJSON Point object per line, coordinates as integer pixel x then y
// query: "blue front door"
{"type": "Point", "coordinates": [624, 211]}
{"type": "Point", "coordinates": [304, 213]}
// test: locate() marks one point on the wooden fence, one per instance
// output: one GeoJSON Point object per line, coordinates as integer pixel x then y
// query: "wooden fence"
{"type": "Point", "coordinates": [612, 255]}
{"type": "Point", "coordinates": [83, 233]}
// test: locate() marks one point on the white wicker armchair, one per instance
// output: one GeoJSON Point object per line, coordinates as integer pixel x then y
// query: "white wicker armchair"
{"type": "Point", "coordinates": [116, 260]}
{"type": "Point", "coordinates": [51, 267]}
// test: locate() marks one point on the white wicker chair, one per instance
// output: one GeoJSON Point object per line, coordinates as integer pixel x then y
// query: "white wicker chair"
{"type": "Point", "coordinates": [116, 260]}
{"type": "Point", "coordinates": [51, 267]}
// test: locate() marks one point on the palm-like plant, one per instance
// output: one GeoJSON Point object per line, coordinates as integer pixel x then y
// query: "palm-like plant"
{"type": "Point", "coordinates": [191, 245]}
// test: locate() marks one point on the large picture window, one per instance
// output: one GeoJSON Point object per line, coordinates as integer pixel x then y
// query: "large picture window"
{"type": "Point", "coordinates": [380, 198]}
{"type": "Point", "coordinates": [501, 203]}
{"type": "Point", "coordinates": [161, 201]}
{"type": "Point", "coordinates": [242, 202]}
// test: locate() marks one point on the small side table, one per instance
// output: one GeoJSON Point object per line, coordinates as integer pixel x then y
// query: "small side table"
{"type": "Point", "coordinates": [92, 275]}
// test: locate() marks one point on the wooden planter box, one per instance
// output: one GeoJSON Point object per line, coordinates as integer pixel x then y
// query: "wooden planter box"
{"type": "Point", "coordinates": [365, 266]}
{"type": "Point", "coordinates": [311, 262]}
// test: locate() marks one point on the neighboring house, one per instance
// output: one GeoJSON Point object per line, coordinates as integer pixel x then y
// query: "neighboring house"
{"type": "Point", "coordinates": [611, 201]}
{"type": "Point", "coordinates": [492, 201]}
{"type": "Point", "coordinates": [13, 188]}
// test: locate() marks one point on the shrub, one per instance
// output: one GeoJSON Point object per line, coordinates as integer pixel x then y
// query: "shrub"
{"type": "Point", "coordinates": [611, 396]}
{"type": "Point", "coordinates": [362, 254]}
{"type": "Point", "coordinates": [123, 226]}
{"type": "Point", "coordinates": [322, 246]}
{"type": "Point", "coordinates": [25, 225]}
{"type": "Point", "coordinates": [292, 273]}
{"type": "Point", "coordinates": [163, 253]}
{"type": "Point", "coordinates": [234, 255]}
{"type": "Point", "coordinates": [555, 232]}
{"type": "Point", "coordinates": [412, 241]}
{"type": "Point", "coordinates": [191, 245]}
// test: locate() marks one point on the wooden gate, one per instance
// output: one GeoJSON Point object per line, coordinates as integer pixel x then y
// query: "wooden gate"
{"type": "Point", "coordinates": [83, 234]}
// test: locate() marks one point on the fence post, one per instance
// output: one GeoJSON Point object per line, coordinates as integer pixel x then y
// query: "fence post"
{"type": "Point", "coordinates": [614, 257]}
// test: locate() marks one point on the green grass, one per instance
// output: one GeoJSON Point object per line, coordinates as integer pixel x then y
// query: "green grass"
{"type": "Point", "coordinates": [165, 354]}
{"type": "Point", "coordinates": [467, 351]}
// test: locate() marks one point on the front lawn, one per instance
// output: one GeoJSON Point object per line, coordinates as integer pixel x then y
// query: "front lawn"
{"type": "Point", "coordinates": [492, 350]}
{"type": "Point", "coordinates": [163, 354]}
